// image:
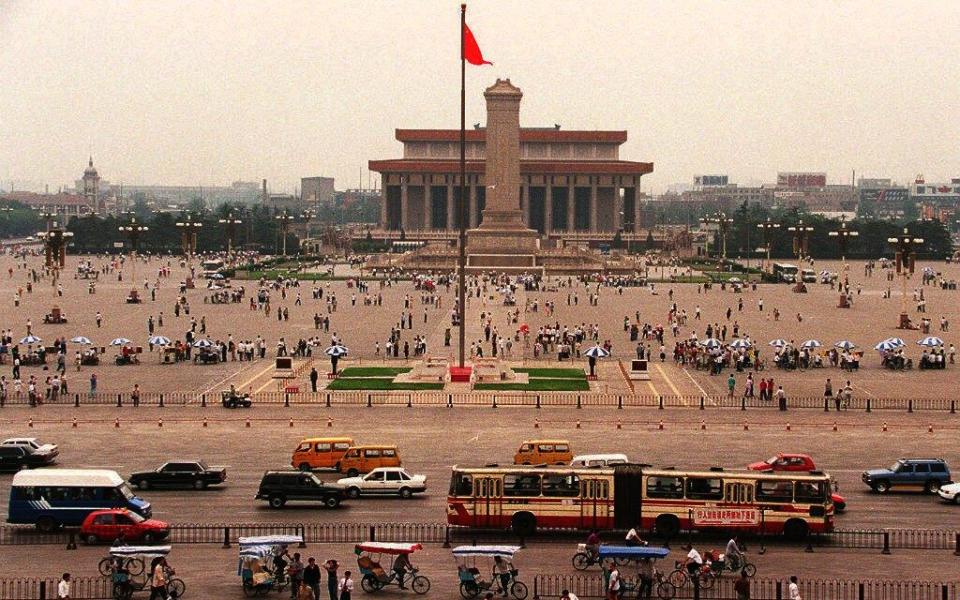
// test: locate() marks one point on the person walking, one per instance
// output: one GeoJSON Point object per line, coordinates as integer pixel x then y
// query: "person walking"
{"type": "Point", "coordinates": [731, 385]}
{"type": "Point", "coordinates": [64, 587]}
{"type": "Point", "coordinates": [793, 590]}
{"type": "Point", "coordinates": [93, 384]}
{"type": "Point", "coordinates": [331, 568]}
{"type": "Point", "coordinates": [295, 571]}
{"type": "Point", "coordinates": [314, 376]}
{"type": "Point", "coordinates": [781, 398]}
{"type": "Point", "coordinates": [311, 579]}
{"type": "Point", "coordinates": [828, 395]}
{"type": "Point", "coordinates": [742, 586]}
{"type": "Point", "coordinates": [346, 586]}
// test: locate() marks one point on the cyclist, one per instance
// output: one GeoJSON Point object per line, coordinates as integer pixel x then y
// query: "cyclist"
{"type": "Point", "coordinates": [593, 545]}
{"type": "Point", "coordinates": [694, 562]}
{"type": "Point", "coordinates": [633, 538]}
{"type": "Point", "coordinates": [733, 555]}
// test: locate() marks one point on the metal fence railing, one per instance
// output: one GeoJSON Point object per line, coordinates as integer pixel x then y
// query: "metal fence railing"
{"type": "Point", "coordinates": [499, 399]}
{"type": "Point", "coordinates": [82, 588]}
{"type": "Point", "coordinates": [592, 586]}
{"type": "Point", "coordinates": [226, 534]}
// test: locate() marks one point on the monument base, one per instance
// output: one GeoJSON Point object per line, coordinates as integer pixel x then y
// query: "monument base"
{"type": "Point", "coordinates": [505, 241]}
{"type": "Point", "coordinates": [905, 322]}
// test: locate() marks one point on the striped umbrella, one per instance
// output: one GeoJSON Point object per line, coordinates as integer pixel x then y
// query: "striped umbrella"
{"type": "Point", "coordinates": [711, 343]}
{"type": "Point", "coordinates": [121, 341]}
{"type": "Point", "coordinates": [158, 340]}
{"type": "Point", "coordinates": [931, 341]}
{"type": "Point", "coordinates": [779, 343]}
{"type": "Point", "coordinates": [741, 343]}
{"type": "Point", "coordinates": [597, 352]}
{"type": "Point", "coordinates": [886, 346]}
{"type": "Point", "coordinates": [31, 339]}
{"type": "Point", "coordinates": [811, 344]}
{"type": "Point", "coordinates": [337, 350]}
{"type": "Point", "coordinates": [898, 342]}
{"type": "Point", "coordinates": [203, 344]}
{"type": "Point", "coordinates": [845, 345]}
{"type": "Point", "coordinates": [85, 341]}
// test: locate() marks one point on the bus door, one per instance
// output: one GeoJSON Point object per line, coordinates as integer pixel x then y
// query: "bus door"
{"type": "Point", "coordinates": [738, 493]}
{"type": "Point", "coordinates": [594, 503]}
{"type": "Point", "coordinates": [488, 497]}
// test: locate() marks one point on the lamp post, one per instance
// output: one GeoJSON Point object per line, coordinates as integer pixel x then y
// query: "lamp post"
{"type": "Point", "coordinates": [133, 231]}
{"type": "Point", "coordinates": [767, 227]}
{"type": "Point", "coordinates": [905, 247]}
{"type": "Point", "coordinates": [284, 220]}
{"type": "Point", "coordinates": [723, 222]}
{"type": "Point", "coordinates": [230, 224]}
{"type": "Point", "coordinates": [843, 236]}
{"type": "Point", "coordinates": [188, 230]}
{"type": "Point", "coordinates": [54, 242]}
{"type": "Point", "coordinates": [801, 238]}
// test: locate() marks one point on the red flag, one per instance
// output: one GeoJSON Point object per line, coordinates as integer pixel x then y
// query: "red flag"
{"type": "Point", "coordinates": [471, 51]}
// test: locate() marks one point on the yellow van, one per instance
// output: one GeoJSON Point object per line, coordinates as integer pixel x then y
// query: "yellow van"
{"type": "Point", "coordinates": [543, 452]}
{"type": "Point", "coordinates": [320, 453]}
{"type": "Point", "coordinates": [363, 459]}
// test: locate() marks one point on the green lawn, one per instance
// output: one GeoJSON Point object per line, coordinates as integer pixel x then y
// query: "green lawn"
{"type": "Point", "coordinates": [375, 383]}
{"type": "Point", "coordinates": [554, 373]}
{"type": "Point", "coordinates": [374, 371]}
{"type": "Point", "coordinates": [539, 385]}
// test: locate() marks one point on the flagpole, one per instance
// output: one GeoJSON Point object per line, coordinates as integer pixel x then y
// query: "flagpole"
{"type": "Point", "coordinates": [462, 259]}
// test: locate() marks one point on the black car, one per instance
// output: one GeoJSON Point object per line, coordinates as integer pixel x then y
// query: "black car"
{"type": "Point", "coordinates": [14, 458]}
{"type": "Point", "coordinates": [185, 473]}
{"type": "Point", "coordinates": [279, 487]}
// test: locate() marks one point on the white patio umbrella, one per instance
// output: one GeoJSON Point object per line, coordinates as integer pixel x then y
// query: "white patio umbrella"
{"type": "Point", "coordinates": [845, 345]}
{"type": "Point", "coordinates": [597, 352]}
{"type": "Point", "coordinates": [711, 343]}
{"type": "Point", "coordinates": [886, 346]}
{"type": "Point", "coordinates": [337, 350]}
{"type": "Point", "coordinates": [898, 342]}
{"type": "Point", "coordinates": [740, 343]}
{"type": "Point", "coordinates": [811, 344]}
{"type": "Point", "coordinates": [120, 341]}
{"type": "Point", "coordinates": [779, 343]}
{"type": "Point", "coordinates": [158, 340]}
{"type": "Point", "coordinates": [31, 339]}
{"type": "Point", "coordinates": [203, 344]}
{"type": "Point", "coordinates": [931, 341]}
{"type": "Point", "coordinates": [85, 341]}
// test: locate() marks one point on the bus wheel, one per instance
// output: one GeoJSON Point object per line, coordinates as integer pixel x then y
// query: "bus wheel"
{"type": "Point", "coordinates": [667, 525]}
{"type": "Point", "coordinates": [524, 524]}
{"type": "Point", "coordinates": [795, 530]}
{"type": "Point", "coordinates": [46, 525]}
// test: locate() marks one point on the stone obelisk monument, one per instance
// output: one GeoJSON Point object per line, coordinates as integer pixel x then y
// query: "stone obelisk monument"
{"type": "Point", "coordinates": [503, 239]}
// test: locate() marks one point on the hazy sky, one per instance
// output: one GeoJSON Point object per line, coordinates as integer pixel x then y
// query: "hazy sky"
{"type": "Point", "coordinates": [208, 92]}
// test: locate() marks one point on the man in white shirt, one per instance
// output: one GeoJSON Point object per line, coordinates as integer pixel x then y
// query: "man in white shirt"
{"type": "Point", "coordinates": [568, 595]}
{"type": "Point", "coordinates": [793, 589]}
{"type": "Point", "coordinates": [63, 588]}
{"type": "Point", "coordinates": [694, 561]}
{"type": "Point", "coordinates": [613, 587]}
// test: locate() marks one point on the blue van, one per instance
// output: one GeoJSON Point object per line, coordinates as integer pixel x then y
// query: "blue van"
{"type": "Point", "coordinates": [53, 498]}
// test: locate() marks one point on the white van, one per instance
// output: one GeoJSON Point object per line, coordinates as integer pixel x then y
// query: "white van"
{"type": "Point", "coordinates": [598, 460]}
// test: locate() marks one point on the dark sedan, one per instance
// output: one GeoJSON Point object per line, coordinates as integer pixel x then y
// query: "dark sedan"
{"type": "Point", "coordinates": [184, 473]}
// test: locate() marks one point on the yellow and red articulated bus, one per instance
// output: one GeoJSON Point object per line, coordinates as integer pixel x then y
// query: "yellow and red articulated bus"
{"type": "Point", "coordinates": [667, 500]}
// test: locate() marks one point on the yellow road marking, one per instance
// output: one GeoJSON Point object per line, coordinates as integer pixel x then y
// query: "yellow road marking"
{"type": "Point", "coordinates": [254, 378]}
{"type": "Point", "coordinates": [663, 374]}
{"type": "Point", "coordinates": [653, 389]}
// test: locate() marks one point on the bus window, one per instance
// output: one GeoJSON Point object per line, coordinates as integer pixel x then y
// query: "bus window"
{"type": "Point", "coordinates": [809, 491]}
{"type": "Point", "coordinates": [561, 485]}
{"type": "Point", "coordinates": [774, 491]}
{"type": "Point", "coordinates": [665, 487]}
{"type": "Point", "coordinates": [461, 484]}
{"type": "Point", "coordinates": [521, 485]}
{"type": "Point", "coordinates": [704, 488]}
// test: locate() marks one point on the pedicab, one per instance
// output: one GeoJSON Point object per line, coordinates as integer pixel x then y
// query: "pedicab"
{"type": "Point", "coordinates": [255, 564]}
{"type": "Point", "coordinates": [129, 573]}
{"type": "Point", "coordinates": [503, 575]}
{"type": "Point", "coordinates": [623, 555]}
{"type": "Point", "coordinates": [374, 577]}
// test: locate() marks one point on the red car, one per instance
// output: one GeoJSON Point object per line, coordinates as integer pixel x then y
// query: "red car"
{"type": "Point", "coordinates": [795, 462]}
{"type": "Point", "coordinates": [109, 525]}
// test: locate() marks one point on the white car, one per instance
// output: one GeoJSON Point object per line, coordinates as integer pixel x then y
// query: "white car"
{"type": "Point", "coordinates": [32, 445]}
{"type": "Point", "coordinates": [384, 481]}
{"type": "Point", "coordinates": [950, 492]}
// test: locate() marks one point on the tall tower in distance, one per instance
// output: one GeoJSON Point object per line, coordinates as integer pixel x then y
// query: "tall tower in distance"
{"type": "Point", "coordinates": [91, 187]}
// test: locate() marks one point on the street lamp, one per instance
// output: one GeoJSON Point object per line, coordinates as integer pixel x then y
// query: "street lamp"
{"type": "Point", "coordinates": [801, 238]}
{"type": "Point", "coordinates": [284, 220]}
{"type": "Point", "coordinates": [767, 226]}
{"type": "Point", "coordinates": [188, 230]}
{"type": "Point", "coordinates": [905, 247]}
{"type": "Point", "coordinates": [230, 224]}
{"type": "Point", "coordinates": [133, 231]}
{"type": "Point", "coordinates": [723, 222]}
{"type": "Point", "coordinates": [55, 246]}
